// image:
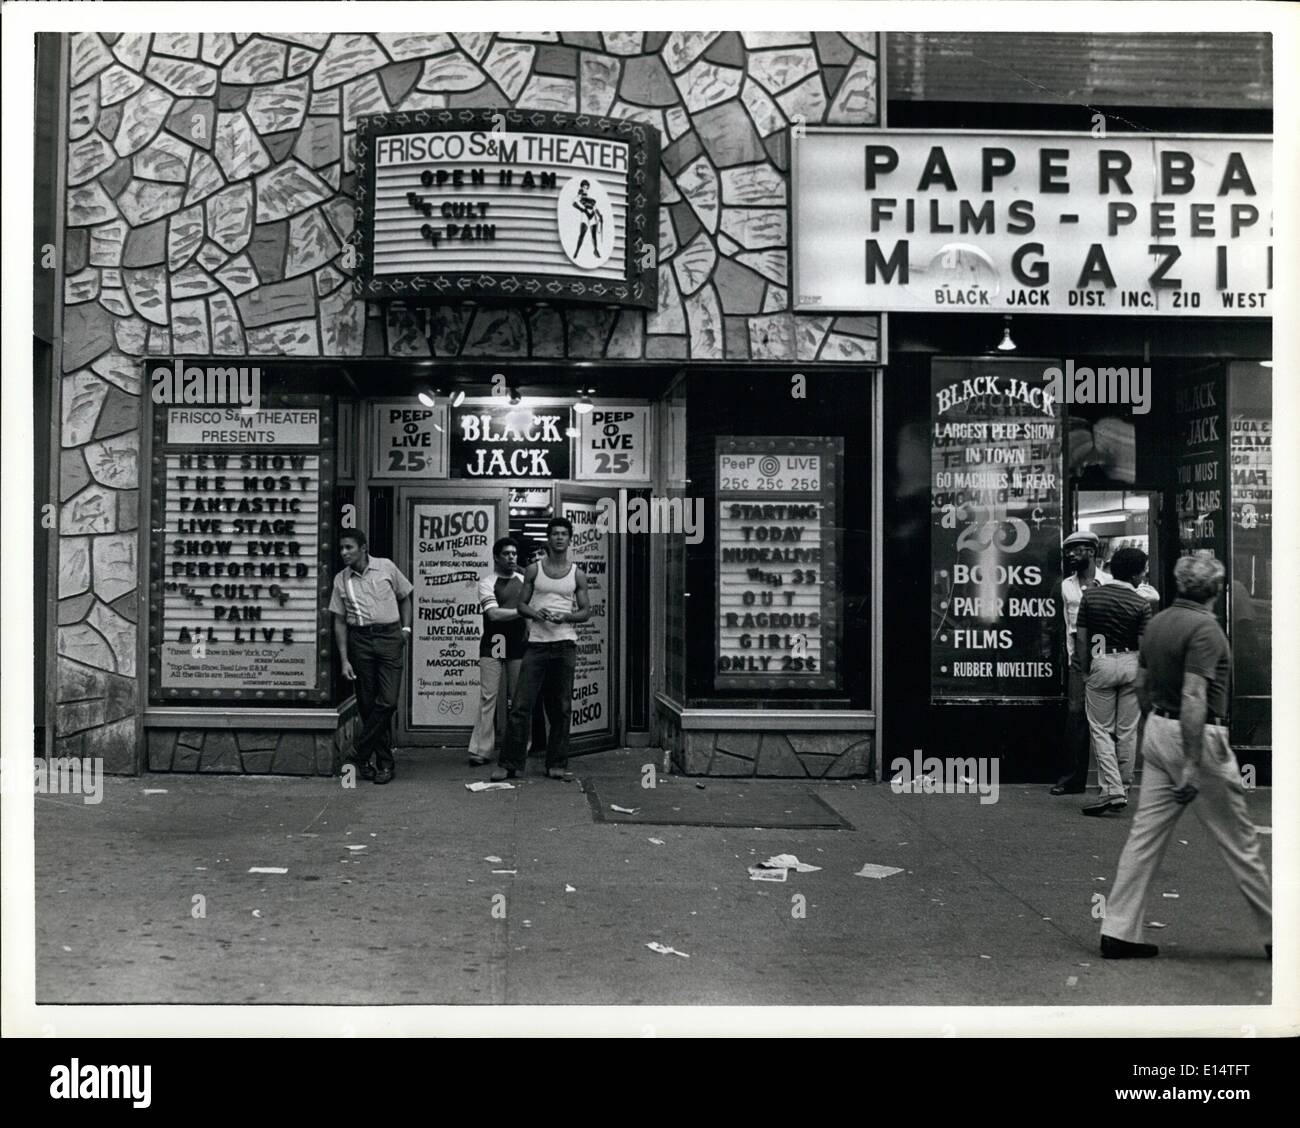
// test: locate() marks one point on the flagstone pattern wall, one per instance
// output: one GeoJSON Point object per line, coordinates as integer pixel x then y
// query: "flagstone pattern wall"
{"type": "Point", "coordinates": [210, 182]}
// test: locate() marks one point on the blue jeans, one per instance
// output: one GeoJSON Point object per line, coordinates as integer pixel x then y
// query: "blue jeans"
{"type": "Point", "coordinates": [547, 669]}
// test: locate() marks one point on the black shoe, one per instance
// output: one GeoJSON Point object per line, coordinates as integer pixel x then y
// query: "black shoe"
{"type": "Point", "coordinates": [1065, 789]}
{"type": "Point", "coordinates": [1105, 806]}
{"type": "Point", "coordinates": [365, 771]}
{"type": "Point", "coordinates": [385, 774]}
{"type": "Point", "coordinates": [1116, 949]}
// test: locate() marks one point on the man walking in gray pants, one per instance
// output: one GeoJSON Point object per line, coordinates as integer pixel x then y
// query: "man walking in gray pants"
{"type": "Point", "coordinates": [1183, 684]}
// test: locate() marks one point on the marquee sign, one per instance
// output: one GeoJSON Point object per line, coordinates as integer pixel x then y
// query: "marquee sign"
{"type": "Point", "coordinates": [242, 554]}
{"type": "Point", "coordinates": [507, 204]}
{"type": "Point", "coordinates": [969, 222]}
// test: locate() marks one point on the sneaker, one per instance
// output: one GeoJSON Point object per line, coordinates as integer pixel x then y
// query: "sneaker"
{"type": "Point", "coordinates": [499, 773]}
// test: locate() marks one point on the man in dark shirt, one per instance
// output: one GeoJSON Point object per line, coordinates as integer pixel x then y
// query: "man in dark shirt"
{"type": "Point", "coordinates": [1183, 684]}
{"type": "Point", "coordinates": [1111, 620]}
{"type": "Point", "coordinates": [500, 650]}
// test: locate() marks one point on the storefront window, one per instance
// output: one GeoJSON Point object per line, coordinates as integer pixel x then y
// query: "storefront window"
{"type": "Point", "coordinates": [777, 587]}
{"type": "Point", "coordinates": [241, 552]}
{"type": "Point", "coordinates": [1250, 598]}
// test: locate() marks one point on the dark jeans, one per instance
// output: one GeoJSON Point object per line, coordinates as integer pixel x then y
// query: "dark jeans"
{"type": "Point", "coordinates": [377, 655]}
{"type": "Point", "coordinates": [1078, 737]}
{"type": "Point", "coordinates": [547, 669]}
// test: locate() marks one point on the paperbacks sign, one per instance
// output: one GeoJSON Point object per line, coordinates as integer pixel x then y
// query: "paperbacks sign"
{"type": "Point", "coordinates": [502, 204]}
{"type": "Point", "coordinates": [1034, 223]}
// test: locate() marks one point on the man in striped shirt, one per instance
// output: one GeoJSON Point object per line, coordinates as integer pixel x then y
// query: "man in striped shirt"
{"type": "Point", "coordinates": [371, 606]}
{"type": "Point", "coordinates": [1110, 625]}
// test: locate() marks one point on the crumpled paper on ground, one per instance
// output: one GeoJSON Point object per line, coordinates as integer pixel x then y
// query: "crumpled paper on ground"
{"type": "Point", "coordinates": [872, 870]}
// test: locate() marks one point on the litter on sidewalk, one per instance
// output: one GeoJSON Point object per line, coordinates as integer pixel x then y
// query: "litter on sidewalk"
{"type": "Point", "coordinates": [664, 950]}
{"type": "Point", "coordinates": [356, 847]}
{"type": "Point", "coordinates": [569, 889]}
{"type": "Point", "coordinates": [762, 873]}
{"type": "Point", "coordinates": [872, 870]}
{"type": "Point", "coordinates": [623, 810]}
{"type": "Point", "coordinates": [790, 862]}
{"type": "Point", "coordinates": [1156, 924]}
{"type": "Point", "coordinates": [493, 858]}
{"type": "Point", "coordinates": [656, 841]}
{"type": "Point", "coordinates": [155, 791]}
{"type": "Point", "coordinates": [268, 869]}
{"type": "Point", "coordinates": [505, 871]}
{"type": "Point", "coordinates": [484, 785]}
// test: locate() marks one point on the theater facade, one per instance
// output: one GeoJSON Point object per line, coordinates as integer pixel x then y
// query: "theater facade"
{"type": "Point", "coordinates": [730, 302]}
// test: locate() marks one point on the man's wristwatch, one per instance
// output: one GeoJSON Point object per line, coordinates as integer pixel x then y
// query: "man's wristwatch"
{"type": "Point", "coordinates": [406, 630]}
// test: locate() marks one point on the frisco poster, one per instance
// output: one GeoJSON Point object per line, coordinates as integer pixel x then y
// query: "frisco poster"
{"type": "Point", "coordinates": [590, 550]}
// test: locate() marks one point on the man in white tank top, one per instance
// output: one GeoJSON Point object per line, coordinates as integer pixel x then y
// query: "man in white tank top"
{"type": "Point", "coordinates": [554, 598]}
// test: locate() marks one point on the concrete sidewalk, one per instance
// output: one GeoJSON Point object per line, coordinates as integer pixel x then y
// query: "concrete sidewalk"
{"type": "Point", "coordinates": [993, 906]}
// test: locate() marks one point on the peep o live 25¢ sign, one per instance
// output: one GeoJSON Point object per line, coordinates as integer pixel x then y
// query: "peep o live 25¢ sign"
{"type": "Point", "coordinates": [492, 204]}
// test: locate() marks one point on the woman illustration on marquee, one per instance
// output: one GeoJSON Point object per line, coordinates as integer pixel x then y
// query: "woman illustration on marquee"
{"type": "Point", "coordinates": [586, 204]}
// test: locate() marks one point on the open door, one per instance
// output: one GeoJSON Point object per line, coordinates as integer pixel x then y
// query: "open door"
{"type": "Point", "coordinates": [598, 680]}
{"type": "Point", "coordinates": [444, 544]}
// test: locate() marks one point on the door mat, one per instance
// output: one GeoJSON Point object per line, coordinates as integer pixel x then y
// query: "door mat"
{"type": "Point", "coordinates": [679, 802]}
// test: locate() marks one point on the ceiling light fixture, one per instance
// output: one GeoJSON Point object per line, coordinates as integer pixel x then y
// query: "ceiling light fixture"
{"type": "Point", "coordinates": [584, 404]}
{"type": "Point", "coordinates": [426, 395]}
{"type": "Point", "coordinates": [1006, 344]}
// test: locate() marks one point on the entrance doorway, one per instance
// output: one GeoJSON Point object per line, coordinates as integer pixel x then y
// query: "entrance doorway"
{"type": "Point", "coordinates": [1121, 518]}
{"type": "Point", "coordinates": [444, 537]}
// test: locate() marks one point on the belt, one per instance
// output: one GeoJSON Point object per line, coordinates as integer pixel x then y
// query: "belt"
{"type": "Point", "coordinates": [375, 627]}
{"type": "Point", "coordinates": [1172, 715]}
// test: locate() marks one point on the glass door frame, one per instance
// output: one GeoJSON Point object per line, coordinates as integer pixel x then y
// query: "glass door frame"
{"type": "Point", "coordinates": [613, 735]}
{"type": "Point", "coordinates": [406, 497]}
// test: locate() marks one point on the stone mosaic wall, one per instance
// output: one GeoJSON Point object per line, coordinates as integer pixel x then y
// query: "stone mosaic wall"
{"type": "Point", "coordinates": [252, 751]}
{"type": "Point", "coordinates": [210, 183]}
{"type": "Point", "coordinates": [797, 755]}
